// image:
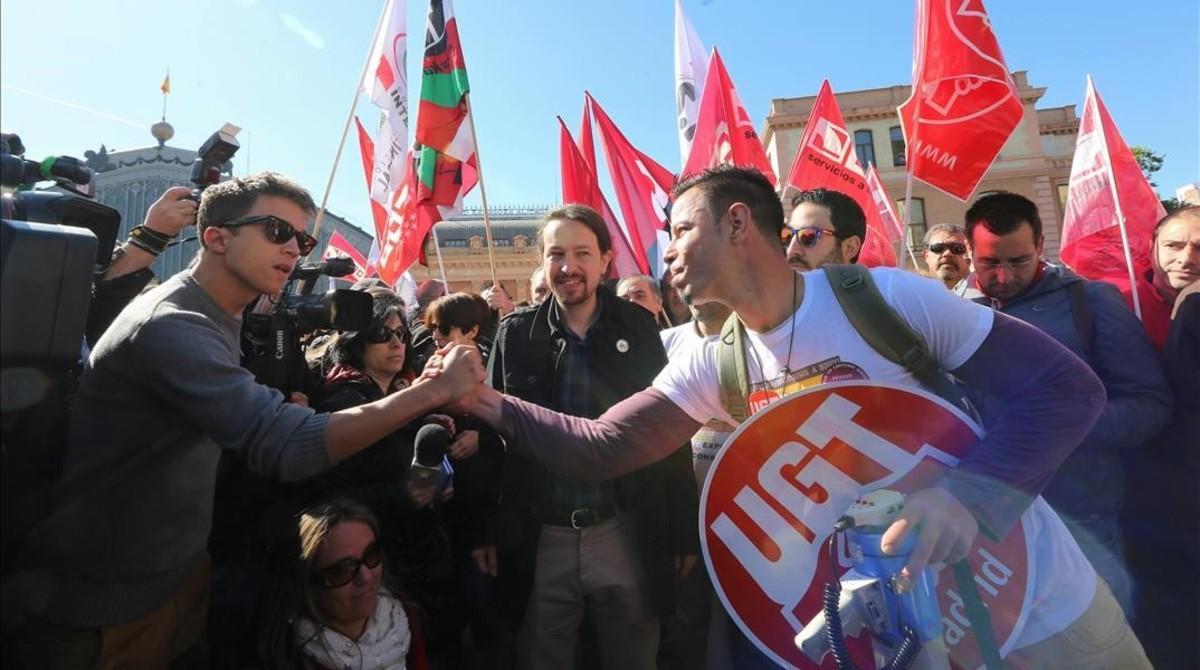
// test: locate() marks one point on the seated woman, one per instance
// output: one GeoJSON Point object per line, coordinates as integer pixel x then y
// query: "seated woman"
{"type": "Point", "coordinates": [335, 607]}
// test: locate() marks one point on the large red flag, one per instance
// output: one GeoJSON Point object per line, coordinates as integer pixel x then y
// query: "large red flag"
{"type": "Point", "coordinates": [579, 185]}
{"type": "Point", "coordinates": [366, 148]}
{"type": "Point", "coordinates": [724, 131]}
{"type": "Point", "coordinates": [405, 234]}
{"type": "Point", "coordinates": [643, 189]}
{"type": "Point", "coordinates": [964, 105]}
{"type": "Point", "coordinates": [1108, 199]}
{"type": "Point", "coordinates": [826, 159]}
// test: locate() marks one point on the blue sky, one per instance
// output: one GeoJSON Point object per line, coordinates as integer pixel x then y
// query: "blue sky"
{"type": "Point", "coordinates": [76, 74]}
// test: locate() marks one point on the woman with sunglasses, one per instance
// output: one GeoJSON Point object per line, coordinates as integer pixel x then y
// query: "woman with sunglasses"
{"type": "Point", "coordinates": [333, 605]}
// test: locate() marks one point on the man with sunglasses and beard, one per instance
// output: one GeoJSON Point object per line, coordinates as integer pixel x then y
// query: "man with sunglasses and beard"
{"type": "Point", "coordinates": [947, 259]}
{"type": "Point", "coordinates": [117, 572]}
{"type": "Point", "coordinates": [825, 226]}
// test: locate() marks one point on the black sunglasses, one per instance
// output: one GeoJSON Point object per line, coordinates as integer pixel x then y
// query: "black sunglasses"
{"type": "Point", "coordinates": [956, 248]}
{"type": "Point", "coordinates": [383, 334]}
{"type": "Point", "coordinates": [277, 230]}
{"type": "Point", "coordinates": [807, 237]}
{"type": "Point", "coordinates": [442, 328]}
{"type": "Point", "coordinates": [342, 572]}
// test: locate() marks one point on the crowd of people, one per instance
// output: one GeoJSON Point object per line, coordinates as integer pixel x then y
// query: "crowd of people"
{"type": "Point", "coordinates": [473, 483]}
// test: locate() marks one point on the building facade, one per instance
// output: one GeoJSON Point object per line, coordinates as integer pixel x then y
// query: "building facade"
{"type": "Point", "coordinates": [463, 244]}
{"type": "Point", "coordinates": [1035, 162]}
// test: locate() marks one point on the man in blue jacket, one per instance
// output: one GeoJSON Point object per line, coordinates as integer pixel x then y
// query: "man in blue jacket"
{"type": "Point", "coordinates": [1091, 319]}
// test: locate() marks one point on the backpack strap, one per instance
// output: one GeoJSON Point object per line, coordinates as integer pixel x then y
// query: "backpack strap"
{"type": "Point", "coordinates": [732, 370]}
{"type": "Point", "coordinates": [887, 333]}
{"type": "Point", "coordinates": [1081, 312]}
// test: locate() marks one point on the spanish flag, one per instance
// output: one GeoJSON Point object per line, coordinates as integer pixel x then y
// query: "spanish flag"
{"type": "Point", "coordinates": [166, 85]}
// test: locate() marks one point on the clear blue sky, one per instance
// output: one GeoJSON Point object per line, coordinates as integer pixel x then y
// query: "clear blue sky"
{"type": "Point", "coordinates": [286, 70]}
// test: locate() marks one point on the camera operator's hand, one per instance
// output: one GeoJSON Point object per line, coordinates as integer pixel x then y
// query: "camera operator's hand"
{"type": "Point", "coordinates": [497, 298]}
{"type": "Point", "coordinates": [945, 530]}
{"type": "Point", "coordinates": [172, 212]}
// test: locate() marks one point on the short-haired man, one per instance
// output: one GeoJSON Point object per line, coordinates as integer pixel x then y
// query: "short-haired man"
{"type": "Point", "coordinates": [609, 548]}
{"type": "Point", "coordinates": [946, 255]}
{"type": "Point", "coordinates": [121, 557]}
{"type": "Point", "coordinates": [644, 291]}
{"type": "Point", "coordinates": [825, 226]}
{"type": "Point", "coordinates": [539, 288]}
{"type": "Point", "coordinates": [1091, 319]}
{"type": "Point", "coordinates": [1174, 265]}
{"type": "Point", "coordinates": [725, 226]}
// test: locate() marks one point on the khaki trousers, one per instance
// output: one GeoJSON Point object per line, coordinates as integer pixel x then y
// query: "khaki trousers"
{"type": "Point", "coordinates": [597, 571]}
{"type": "Point", "coordinates": [171, 636]}
{"type": "Point", "coordinates": [1101, 639]}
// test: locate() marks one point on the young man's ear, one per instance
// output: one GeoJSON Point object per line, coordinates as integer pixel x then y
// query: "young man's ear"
{"type": "Point", "coordinates": [851, 247]}
{"type": "Point", "coordinates": [213, 238]}
{"type": "Point", "coordinates": [739, 221]}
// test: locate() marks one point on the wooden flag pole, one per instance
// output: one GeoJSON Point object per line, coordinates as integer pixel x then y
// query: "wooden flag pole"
{"type": "Point", "coordinates": [337, 158]}
{"type": "Point", "coordinates": [437, 246]}
{"type": "Point", "coordinates": [487, 223]}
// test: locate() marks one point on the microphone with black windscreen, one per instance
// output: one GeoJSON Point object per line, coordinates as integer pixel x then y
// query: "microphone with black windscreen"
{"type": "Point", "coordinates": [429, 456]}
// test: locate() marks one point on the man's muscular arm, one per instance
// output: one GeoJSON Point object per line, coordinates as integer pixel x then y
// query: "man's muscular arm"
{"type": "Point", "coordinates": [642, 429]}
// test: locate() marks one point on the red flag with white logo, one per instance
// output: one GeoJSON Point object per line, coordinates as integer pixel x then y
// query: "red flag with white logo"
{"type": "Point", "coordinates": [579, 185]}
{"type": "Point", "coordinates": [404, 235]}
{"type": "Point", "coordinates": [826, 159]}
{"type": "Point", "coordinates": [340, 246]}
{"type": "Point", "coordinates": [891, 226]}
{"type": "Point", "coordinates": [964, 105]}
{"type": "Point", "coordinates": [724, 132]}
{"type": "Point", "coordinates": [1111, 207]}
{"type": "Point", "coordinates": [643, 189]}
{"type": "Point", "coordinates": [386, 83]}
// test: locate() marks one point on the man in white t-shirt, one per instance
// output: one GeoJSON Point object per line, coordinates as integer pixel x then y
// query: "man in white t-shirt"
{"type": "Point", "coordinates": [725, 248]}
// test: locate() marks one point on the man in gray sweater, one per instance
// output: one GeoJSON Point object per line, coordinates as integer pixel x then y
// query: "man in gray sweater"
{"type": "Point", "coordinates": [116, 574]}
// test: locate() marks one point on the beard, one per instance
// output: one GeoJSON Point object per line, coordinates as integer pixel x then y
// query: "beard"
{"type": "Point", "coordinates": [808, 263]}
{"type": "Point", "coordinates": [573, 289]}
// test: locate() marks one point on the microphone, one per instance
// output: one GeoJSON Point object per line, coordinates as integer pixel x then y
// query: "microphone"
{"type": "Point", "coordinates": [429, 452]}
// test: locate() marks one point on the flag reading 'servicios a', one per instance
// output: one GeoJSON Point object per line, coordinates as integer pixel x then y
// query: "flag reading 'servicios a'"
{"type": "Point", "coordinates": [340, 246]}
{"type": "Point", "coordinates": [579, 186]}
{"type": "Point", "coordinates": [1111, 208]}
{"type": "Point", "coordinates": [826, 159]}
{"type": "Point", "coordinates": [724, 132]}
{"type": "Point", "coordinates": [964, 105]}
{"type": "Point", "coordinates": [445, 145]}
{"type": "Point", "coordinates": [386, 83]}
{"type": "Point", "coordinates": [691, 65]}
{"type": "Point", "coordinates": [642, 187]}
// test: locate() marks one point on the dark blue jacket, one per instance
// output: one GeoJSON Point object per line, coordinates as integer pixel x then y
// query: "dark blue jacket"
{"type": "Point", "coordinates": [1091, 480]}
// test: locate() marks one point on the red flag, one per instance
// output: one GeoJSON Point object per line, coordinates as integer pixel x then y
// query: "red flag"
{"type": "Point", "coordinates": [579, 185]}
{"type": "Point", "coordinates": [964, 105]}
{"type": "Point", "coordinates": [1107, 188]}
{"type": "Point", "coordinates": [366, 149]}
{"type": "Point", "coordinates": [891, 227]}
{"type": "Point", "coordinates": [826, 159]}
{"type": "Point", "coordinates": [643, 189]}
{"type": "Point", "coordinates": [340, 246]}
{"type": "Point", "coordinates": [405, 231]}
{"type": "Point", "coordinates": [724, 131]}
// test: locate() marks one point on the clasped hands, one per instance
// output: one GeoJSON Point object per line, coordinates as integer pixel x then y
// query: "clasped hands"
{"type": "Point", "coordinates": [457, 372]}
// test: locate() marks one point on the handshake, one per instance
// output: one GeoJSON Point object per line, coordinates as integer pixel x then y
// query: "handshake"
{"type": "Point", "coordinates": [456, 374]}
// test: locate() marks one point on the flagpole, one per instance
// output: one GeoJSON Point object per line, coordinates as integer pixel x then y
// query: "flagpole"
{"type": "Point", "coordinates": [337, 158]}
{"type": "Point", "coordinates": [165, 94]}
{"type": "Point", "coordinates": [437, 245]}
{"type": "Point", "coordinates": [487, 224]}
{"type": "Point", "coordinates": [1112, 184]}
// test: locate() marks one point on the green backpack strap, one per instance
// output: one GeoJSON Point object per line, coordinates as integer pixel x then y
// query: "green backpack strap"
{"type": "Point", "coordinates": [889, 334]}
{"type": "Point", "coordinates": [732, 371]}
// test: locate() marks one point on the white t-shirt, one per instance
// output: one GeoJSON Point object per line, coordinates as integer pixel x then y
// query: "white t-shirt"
{"type": "Point", "coordinates": [713, 434]}
{"type": "Point", "coordinates": [827, 348]}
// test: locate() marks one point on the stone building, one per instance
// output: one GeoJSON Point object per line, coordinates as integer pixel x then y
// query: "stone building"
{"type": "Point", "coordinates": [1035, 162]}
{"type": "Point", "coordinates": [464, 253]}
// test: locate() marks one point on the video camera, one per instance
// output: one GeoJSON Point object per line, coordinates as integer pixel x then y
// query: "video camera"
{"type": "Point", "coordinates": [272, 340]}
{"type": "Point", "coordinates": [52, 241]}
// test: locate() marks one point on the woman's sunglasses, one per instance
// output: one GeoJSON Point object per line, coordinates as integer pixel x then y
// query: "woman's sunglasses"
{"type": "Point", "coordinates": [807, 237]}
{"type": "Point", "coordinates": [277, 231]}
{"type": "Point", "coordinates": [383, 334]}
{"type": "Point", "coordinates": [342, 572]}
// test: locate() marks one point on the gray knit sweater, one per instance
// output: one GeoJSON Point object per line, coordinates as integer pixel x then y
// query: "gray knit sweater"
{"type": "Point", "coordinates": [163, 393]}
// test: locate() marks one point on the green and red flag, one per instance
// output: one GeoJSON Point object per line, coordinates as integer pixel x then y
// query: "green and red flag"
{"type": "Point", "coordinates": [445, 145]}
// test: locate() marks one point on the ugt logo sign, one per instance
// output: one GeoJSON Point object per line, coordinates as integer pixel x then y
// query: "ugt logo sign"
{"type": "Point", "coordinates": [833, 142]}
{"type": "Point", "coordinates": [788, 473]}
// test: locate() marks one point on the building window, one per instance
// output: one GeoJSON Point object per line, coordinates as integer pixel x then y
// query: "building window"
{"type": "Point", "coordinates": [1062, 197]}
{"type": "Point", "coordinates": [897, 136]}
{"type": "Point", "coordinates": [864, 145]}
{"type": "Point", "coordinates": [916, 222]}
